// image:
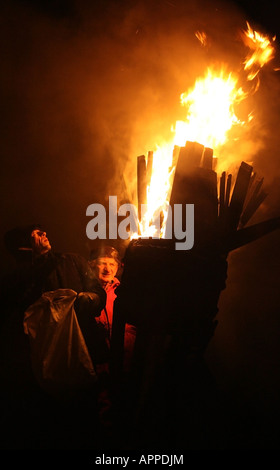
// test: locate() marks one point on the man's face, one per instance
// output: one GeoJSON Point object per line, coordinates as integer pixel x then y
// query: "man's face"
{"type": "Point", "coordinates": [106, 269]}
{"type": "Point", "coordinates": [40, 242]}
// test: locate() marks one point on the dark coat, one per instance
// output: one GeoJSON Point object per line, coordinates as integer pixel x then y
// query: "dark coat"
{"type": "Point", "coordinates": [47, 273]}
{"type": "Point", "coordinates": [63, 271]}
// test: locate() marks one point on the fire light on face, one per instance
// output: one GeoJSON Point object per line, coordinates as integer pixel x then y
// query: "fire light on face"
{"type": "Point", "coordinates": [210, 116]}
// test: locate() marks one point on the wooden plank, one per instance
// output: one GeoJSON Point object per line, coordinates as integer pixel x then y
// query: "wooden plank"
{"type": "Point", "coordinates": [251, 188]}
{"type": "Point", "coordinates": [222, 195]}
{"type": "Point", "coordinates": [149, 167]}
{"type": "Point", "coordinates": [175, 155]}
{"type": "Point", "coordinates": [253, 201]}
{"type": "Point", "coordinates": [196, 185]}
{"type": "Point", "coordinates": [239, 194]}
{"type": "Point", "coordinates": [207, 158]}
{"type": "Point", "coordinates": [254, 232]}
{"type": "Point", "coordinates": [189, 158]}
{"type": "Point", "coordinates": [228, 190]}
{"type": "Point", "coordinates": [141, 183]}
{"type": "Point", "coordinates": [252, 207]}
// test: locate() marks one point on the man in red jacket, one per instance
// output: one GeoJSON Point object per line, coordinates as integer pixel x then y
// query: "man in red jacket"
{"type": "Point", "coordinates": [107, 265]}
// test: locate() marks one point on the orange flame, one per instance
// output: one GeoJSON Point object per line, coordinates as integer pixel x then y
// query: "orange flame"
{"type": "Point", "coordinates": [202, 37]}
{"type": "Point", "coordinates": [210, 116]}
{"type": "Point", "coordinates": [210, 109]}
{"type": "Point", "coordinates": [262, 51]}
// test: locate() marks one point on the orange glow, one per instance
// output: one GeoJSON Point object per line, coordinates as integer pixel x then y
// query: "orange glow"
{"type": "Point", "coordinates": [210, 115]}
{"type": "Point", "coordinates": [201, 36]}
{"type": "Point", "coordinates": [158, 191]}
{"type": "Point", "coordinates": [210, 110]}
{"type": "Point", "coordinates": [262, 51]}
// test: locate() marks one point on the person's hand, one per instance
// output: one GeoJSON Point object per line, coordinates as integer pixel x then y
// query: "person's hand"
{"type": "Point", "coordinates": [88, 301]}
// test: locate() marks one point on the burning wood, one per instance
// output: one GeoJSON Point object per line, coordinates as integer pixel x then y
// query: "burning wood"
{"type": "Point", "coordinates": [171, 296]}
{"type": "Point", "coordinates": [239, 195]}
{"type": "Point", "coordinates": [150, 167]}
{"type": "Point", "coordinates": [222, 195]}
{"type": "Point", "coordinates": [211, 115]}
{"type": "Point", "coordinates": [141, 183]}
{"type": "Point", "coordinates": [195, 184]}
{"type": "Point", "coordinates": [217, 216]}
{"type": "Point", "coordinates": [255, 198]}
{"type": "Point", "coordinates": [228, 190]}
{"type": "Point", "coordinates": [220, 216]}
{"type": "Point", "coordinates": [186, 301]}
{"type": "Point", "coordinates": [207, 158]}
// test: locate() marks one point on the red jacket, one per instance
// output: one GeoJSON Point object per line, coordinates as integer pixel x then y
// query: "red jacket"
{"type": "Point", "coordinates": [106, 317]}
{"type": "Point", "coordinates": [105, 321]}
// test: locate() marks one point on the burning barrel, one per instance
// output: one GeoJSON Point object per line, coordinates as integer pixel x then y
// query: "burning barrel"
{"type": "Point", "coordinates": [175, 292]}
{"type": "Point", "coordinates": [171, 296]}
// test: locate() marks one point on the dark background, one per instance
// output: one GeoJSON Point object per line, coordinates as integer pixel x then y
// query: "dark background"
{"type": "Point", "coordinates": [88, 86]}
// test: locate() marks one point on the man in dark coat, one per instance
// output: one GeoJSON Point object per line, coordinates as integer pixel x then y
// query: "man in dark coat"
{"type": "Point", "coordinates": [41, 270]}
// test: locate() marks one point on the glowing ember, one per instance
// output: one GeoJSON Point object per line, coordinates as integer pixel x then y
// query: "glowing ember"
{"type": "Point", "coordinates": [210, 115]}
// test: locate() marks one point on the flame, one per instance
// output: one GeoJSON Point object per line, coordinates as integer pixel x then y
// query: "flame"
{"type": "Point", "coordinates": [157, 200]}
{"type": "Point", "coordinates": [262, 51]}
{"type": "Point", "coordinates": [210, 116]}
{"type": "Point", "coordinates": [202, 37]}
{"type": "Point", "coordinates": [210, 109]}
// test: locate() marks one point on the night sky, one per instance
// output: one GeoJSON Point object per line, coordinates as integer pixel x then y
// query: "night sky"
{"type": "Point", "coordinates": [86, 87]}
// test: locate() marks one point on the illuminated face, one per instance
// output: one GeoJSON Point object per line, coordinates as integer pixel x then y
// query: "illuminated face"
{"type": "Point", "coordinates": [40, 242]}
{"type": "Point", "coordinates": [106, 269]}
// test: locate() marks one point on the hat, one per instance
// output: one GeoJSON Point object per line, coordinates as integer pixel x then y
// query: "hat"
{"type": "Point", "coordinates": [19, 238]}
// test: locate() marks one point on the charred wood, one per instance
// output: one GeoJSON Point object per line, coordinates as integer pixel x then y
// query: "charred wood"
{"type": "Point", "coordinates": [141, 183]}
{"type": "Point", "coordinates": [239, 194]}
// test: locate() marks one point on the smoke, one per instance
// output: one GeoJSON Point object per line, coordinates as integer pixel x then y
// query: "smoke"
{"type": "Point", "coordinates": [89, 86]}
